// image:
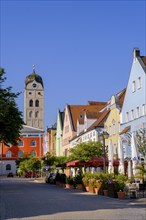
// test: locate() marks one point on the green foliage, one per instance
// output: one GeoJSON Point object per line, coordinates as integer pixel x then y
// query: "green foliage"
{"type": "Point", "coordinates": [78, 179]}
{"type": "Point", "coordinates": [120, 181]}
{"type": "Point", "coordinates": [86, 151]}
{"type": "Point", "coordinates": [105, 178]}
{"type": "Point", "coordinates": [141, 141]}
{"type": "Point", "coordinates": [69, 180]}
{"type": "Point", "coordinates": [54, 161]}
{"type": "Point", "coordinates": [141, 171]}
{"type": "Point", "coordinates": [86, 177]}
{"type": "Point", "coordinates": [30, 164]}
{"type": "Point", "coordinates": [11, 121]}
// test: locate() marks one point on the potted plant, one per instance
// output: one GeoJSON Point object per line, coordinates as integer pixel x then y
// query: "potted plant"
{"type": "Point", "coordinates": [98, 185]}
{"type": "Point", "coordinates": [78, 181]}
{"type": "Point", "coordinates": [92, 185]}
{"type": "Point", "coordinates": [120, 181]}
{"type": "Point", "coordinates": [69, 183]}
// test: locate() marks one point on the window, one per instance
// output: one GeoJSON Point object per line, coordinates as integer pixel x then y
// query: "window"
{"type": "Point", "coordinates": [8, 167]}
{"type": "Point", "coordinates": [37, 114]}
{"type": "Point", "coordinates": [143, 109]}
{"type": "Point", "coordinates": [20, 143]}
{"type": "Point", "coordinates": [110, 130]}
{"type": "Point", "coordinates": [33, 143]}
{"type": "Point", "coordinates": [137, 112]}
{"type": "Point", "coordinates": [20, 153]}
{"type": "Point", "coordinates": [8, 154]}
{"type": "Point", "coordinates": [37, 103]}
{"type": "Point", "coordinates": [127, 116]}
{"type": "Point", "coordinates": [31, 103]}
{"type": "Point", "coordinates": [133, 86]}
{"type": "Point", "coordinates": [30, 93]}
{"type": "Point", "coordinates": [81, 116]}
{"type": "Point", "coordinates": [132, 114]}
{"type": "Point", "coordinates": [114, 127]}
{"type": "Point", "coordinates": [30, 114]}
{"type": "Point", "coordinates": [33, 153]}
{"type": "Point", "coordinates": [139, 83]}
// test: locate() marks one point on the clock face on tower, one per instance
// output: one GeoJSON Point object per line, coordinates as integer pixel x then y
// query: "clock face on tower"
{"type": "Point", "coordinates": [34, 85]}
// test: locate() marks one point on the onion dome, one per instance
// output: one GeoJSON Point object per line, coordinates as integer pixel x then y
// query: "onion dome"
{"type": "Point", "coordinates": [33, 76]}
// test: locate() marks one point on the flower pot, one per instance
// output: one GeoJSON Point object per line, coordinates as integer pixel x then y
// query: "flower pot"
{"type": "Point", "coordinates": [87, 188]}
{"type": "Point", "coordinates": [121, 195]}
{"type": "Point", "coordinates": [69, 186]}
{"type": "Point", "coordinates": [79, 186]}
{"type": "Point", "coordinates": [91, 189]}
{"type": "Point", "coordinates": [105, 192]}
{"type": "Point", "coordinates": [96, 190]}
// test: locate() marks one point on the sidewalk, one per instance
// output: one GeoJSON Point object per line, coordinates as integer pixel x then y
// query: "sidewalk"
{"type": "Point", "coordinates": [132, 201]}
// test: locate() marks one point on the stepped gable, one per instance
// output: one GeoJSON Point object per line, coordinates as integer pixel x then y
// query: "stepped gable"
{"type": "Point", "coordinates": [77, 112]}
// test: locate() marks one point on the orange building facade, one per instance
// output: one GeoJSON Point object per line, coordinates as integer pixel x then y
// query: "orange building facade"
{"type": "Point", "coordinates": [31, 143]}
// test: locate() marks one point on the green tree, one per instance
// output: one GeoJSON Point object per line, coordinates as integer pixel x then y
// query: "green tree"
{"type": "Point", "coordinates": [11, 121]}
{"type": "Point", "coordinates": [86, 151]}
{"type": "Point", "coordinates": [141, 141]}
{"type": "Point", "coordinates": [30, 164]}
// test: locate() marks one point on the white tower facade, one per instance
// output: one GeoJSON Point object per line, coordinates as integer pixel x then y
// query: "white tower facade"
{"type": "Point", "coordinates": [34, 101]}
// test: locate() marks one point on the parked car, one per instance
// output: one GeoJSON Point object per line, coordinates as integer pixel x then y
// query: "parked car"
{"type": "Point", "coordinates": [10, 174]}
{"type": "Point", "coordinates": [30, 174]}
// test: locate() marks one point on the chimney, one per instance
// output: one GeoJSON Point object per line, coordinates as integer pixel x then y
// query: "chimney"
{"type": "Point", "coordinates": [136, 52]}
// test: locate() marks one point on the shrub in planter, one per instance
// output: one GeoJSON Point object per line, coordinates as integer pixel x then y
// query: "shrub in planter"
{"type": "Point", "coordinates": [120, 181]}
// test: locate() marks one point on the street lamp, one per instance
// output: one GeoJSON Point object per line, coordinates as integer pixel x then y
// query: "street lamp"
{"type": "Point", "coordinates": [104, 135]}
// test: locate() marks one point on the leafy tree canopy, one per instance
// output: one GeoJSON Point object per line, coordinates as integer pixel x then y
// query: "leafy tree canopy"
{"type": "Point", "coordinates": [86, 151]}
{"type": "Point", "coordinates": [11, 121]}
{"type": "Point", "coordinates": [30, 164]}
{"type": "Point", "coordinates": [52, 160]}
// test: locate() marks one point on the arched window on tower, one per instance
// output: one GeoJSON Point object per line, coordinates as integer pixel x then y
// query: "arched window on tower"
{"type": "Point", "coordinates": [37, 103]}
{"type": "Point", "coordinates": [37, 114]}
{"type": "Point", "coordinates": [30, 114]}
{"type": "Point", "coordinates": [31, 103]}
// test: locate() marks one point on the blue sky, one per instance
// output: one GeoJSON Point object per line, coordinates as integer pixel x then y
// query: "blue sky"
{"type": "Point", "coordinates": [82, 49]}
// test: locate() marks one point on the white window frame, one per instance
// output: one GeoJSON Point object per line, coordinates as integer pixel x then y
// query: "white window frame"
{"type": "Point", "coordinates": [132, 114]}
{"type": "Point", "coordinates": [137, 112]}
{"type": "Point", "coordinates": [127, 116]}
{"type": "Point", "coordinates": [143, 109]}
{"type": "Point", "coordinates": [133, 86]}
{"type": "Point", "coordinates": [139, 83]}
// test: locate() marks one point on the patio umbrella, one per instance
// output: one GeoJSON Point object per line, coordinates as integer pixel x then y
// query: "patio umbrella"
{"type": "Point", "coordinates": [134, 153]}
{"type": "Point", "coordinates": [120, 156]}
{"type": "Point", "coordinates": [110, 157]}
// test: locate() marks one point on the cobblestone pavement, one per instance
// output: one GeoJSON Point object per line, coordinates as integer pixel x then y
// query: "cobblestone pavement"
{"type": "Point", "coordinates": [34, 200]}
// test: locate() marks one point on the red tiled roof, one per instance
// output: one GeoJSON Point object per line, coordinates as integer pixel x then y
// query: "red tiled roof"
{"type": "Point", "coordinates": [144, 59]}
{"type": "Point", "coordinates": [125, 130]}
{"type": "Point", "coordinates": [77, 110]}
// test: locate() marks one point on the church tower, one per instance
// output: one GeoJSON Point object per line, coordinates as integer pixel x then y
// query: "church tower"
{"type": "Point", "coordinates": [34, 101]}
